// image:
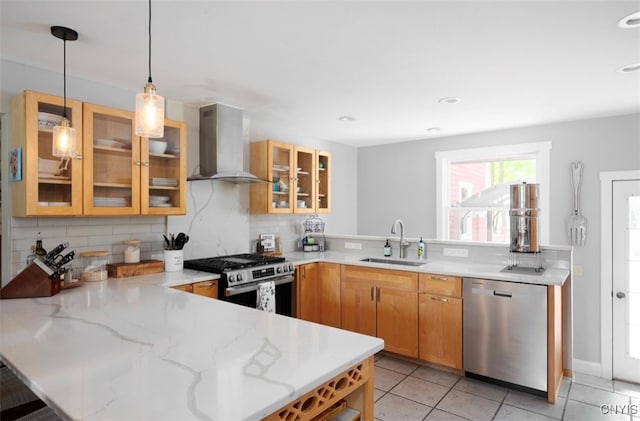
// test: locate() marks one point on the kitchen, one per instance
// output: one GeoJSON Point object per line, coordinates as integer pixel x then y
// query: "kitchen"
{"type": "Point", "coordinates": [217, 220]}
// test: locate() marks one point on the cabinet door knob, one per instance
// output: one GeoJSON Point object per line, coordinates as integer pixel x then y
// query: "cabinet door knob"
{"type": "Point", "coordinates": [137, 163]}
{"type": "Point", "coordinates": [620, 294]}
{"type": "Point", "coordinates": [145, 163]}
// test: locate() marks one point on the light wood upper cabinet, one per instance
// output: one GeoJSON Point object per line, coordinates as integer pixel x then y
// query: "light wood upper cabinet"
{"type": "Point", "coordinates": [43, 185]}
{"type": "Point", "coordinates": [440, 319]}
{"type": "Point", "coordinates": [113, 174]}
{"type": "Point", "coordinates": [323, 182]}
{"type": "Point", "coordinates": [110, 150]}
{"type": "Point", "coordinates": [382, 303]}
{"type": "Point", "coordinates": [122, 176]}
{"type": "Point", "coordinates": [298, 185]}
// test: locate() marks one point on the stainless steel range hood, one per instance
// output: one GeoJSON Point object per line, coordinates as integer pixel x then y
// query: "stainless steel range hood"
{"type": "Point", "coordinates": [221, 146]}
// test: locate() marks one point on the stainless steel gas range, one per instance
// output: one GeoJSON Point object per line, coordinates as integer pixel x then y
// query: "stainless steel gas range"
{"type": "Point", "coordinates": [241, 275]}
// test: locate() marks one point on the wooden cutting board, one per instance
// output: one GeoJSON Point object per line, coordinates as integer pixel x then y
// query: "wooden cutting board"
{"type": "Point", "coordinates": [144, 267]}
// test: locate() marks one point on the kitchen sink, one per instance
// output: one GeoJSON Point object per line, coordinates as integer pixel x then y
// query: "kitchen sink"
{"type": "Point", "coordinates": [392, 262]}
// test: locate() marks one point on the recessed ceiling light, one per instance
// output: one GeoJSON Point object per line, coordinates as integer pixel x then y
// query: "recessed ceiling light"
{"type": "Point", "coordinates": [630, 21]}
{"type": "Point", "coordinates": [630, 68]}
{"type": "Point", "coordinates": [449, 100]}
{"type": "Point", "coordinates": [346, 118]}
{"type": "Point", "coordinates": [433, 129]}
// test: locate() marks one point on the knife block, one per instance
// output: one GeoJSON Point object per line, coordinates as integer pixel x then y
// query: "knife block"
{"type": "Point", "coordinates": [33, 281]}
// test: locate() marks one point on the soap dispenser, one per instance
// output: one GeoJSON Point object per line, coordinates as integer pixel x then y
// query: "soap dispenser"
{"type": "Point", "coordinates": [421, 249]}
{"type": "Point", "coordinates": [387, 249]}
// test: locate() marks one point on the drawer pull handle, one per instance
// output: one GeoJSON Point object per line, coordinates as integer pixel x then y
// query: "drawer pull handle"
{"type": "Point", "coordinates": [442, 300]}
{"type": "Point", "coordinates": [208, 284]}
{"type": "Point", "coordinates": [439, 278]}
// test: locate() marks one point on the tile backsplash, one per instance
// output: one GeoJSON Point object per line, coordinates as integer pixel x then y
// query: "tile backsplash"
{"type": "Point", "coordinates": [85, 233]}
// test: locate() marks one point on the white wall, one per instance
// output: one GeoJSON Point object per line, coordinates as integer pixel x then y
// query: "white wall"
{"type": "Point", "coordinates": [398, 181]}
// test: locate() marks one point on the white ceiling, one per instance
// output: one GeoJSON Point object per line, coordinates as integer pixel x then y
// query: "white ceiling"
{"type": "Point", "coordinates": [302, 64]}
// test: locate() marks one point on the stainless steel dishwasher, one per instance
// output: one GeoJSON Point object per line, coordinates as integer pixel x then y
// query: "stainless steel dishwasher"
{"type": "Point", "coordinates": [505, 332]}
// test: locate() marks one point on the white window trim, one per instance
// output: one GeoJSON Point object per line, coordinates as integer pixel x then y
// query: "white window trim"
{"type": "Point", "coordinates": [542, 152]}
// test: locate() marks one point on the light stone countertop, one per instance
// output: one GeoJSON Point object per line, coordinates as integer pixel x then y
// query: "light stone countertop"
{"type": "Point", "coordinates": [132, 348]}
{"type": "Point", "coordinates": [441, 267]}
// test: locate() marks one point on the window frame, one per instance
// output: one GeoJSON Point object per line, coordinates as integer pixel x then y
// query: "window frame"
{"type": "Point", "coordinates": [540, 150]}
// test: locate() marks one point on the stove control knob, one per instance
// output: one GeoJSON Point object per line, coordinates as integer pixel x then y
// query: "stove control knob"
{"type": "Point", "coordinates": [285, 268]}
{"type": "Point", "coordinates": [279, 269]}
{"type": "Point", "coordinates": [240, 277]}
{"type": "Point", "coordinates": [290, 268]}
{"type": "Point", "coordinates": [232, 278]}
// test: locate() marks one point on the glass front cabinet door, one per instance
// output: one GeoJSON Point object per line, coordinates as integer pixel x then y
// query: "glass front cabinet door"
{"type": "Point", "coordinates": [111, 162]}
{"type": "Point", "coordinates": [164, 171]}
{"type": "Point", "coordinates": [43, 184]}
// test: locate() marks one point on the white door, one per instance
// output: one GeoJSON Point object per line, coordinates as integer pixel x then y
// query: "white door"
{"type": "Point", "coordinates": [626, 280]}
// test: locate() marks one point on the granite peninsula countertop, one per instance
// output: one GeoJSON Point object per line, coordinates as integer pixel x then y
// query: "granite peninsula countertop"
{"type": "Point", "coordinates": [132, 348]}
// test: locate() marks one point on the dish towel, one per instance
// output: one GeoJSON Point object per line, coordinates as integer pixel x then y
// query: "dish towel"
{"type": "Point", "coordinates": [266, 297]}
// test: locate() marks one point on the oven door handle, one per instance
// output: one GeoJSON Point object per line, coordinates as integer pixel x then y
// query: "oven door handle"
{"type": "Point", "coordinates": [254, 287]}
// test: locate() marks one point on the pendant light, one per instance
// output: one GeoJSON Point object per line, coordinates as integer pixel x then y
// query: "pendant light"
{"type": "Point", "coordinates": [149, 105]}
{"type": "Point", "coordinates": [64, 136]}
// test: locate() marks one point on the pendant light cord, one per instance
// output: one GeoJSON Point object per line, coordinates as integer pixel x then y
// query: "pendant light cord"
{"type": "Point", "coordinates": [64, 76]}
{"type": "Point", "coordinates": [149, 80]}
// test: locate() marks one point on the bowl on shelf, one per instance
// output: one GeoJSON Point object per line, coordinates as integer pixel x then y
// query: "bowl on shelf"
{"type": "Point", "coordinates": [48, 120]}
{"type": "Point", "coordinates": [157, 146]}
{"type": "Point", "coordinates": [48, 166]}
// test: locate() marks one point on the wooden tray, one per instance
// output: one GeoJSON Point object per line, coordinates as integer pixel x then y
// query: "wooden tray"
{"type": "Point", "coordinates": [144, 267]}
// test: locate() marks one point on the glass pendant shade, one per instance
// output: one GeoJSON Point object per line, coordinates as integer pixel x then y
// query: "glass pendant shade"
{"type": "Point", "coordinates": [64, 140]}
{"type": "Point", "coordinates": [149, 113]}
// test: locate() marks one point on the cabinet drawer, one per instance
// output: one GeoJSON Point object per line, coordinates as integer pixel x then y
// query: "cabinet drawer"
{"type": "Point", "coordinates": [450, 286]}
{"type": "Point", "coordinates": [382, 277]}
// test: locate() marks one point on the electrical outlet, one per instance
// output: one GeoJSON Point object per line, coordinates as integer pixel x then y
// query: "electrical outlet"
{"type": "Point", "coordinates": [353, 246]}
{"type": "Point", "coordinates": [457, 252]}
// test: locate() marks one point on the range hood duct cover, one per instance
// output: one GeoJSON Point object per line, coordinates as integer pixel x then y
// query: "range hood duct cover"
{"type": "Point", "coordinates": [221, 146]}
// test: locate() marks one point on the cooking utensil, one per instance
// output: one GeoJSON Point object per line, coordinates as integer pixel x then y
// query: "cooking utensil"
{"type": "Point", "coordinates": [167, 243]}
{"type": "Point", "coordinates": [180, 240]}
{"type": "Point", "coordinates": [576, 223]}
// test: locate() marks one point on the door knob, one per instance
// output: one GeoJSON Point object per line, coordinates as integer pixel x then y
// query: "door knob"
{"type": "Point", "coordinates": [620, 294]}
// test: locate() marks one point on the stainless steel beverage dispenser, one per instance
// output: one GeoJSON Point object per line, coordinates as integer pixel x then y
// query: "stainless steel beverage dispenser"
{"type": "Point", "coordinates": [525, 235]}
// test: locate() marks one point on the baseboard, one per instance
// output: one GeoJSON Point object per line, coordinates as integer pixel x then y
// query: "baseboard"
{"type": "Point", "coordinates": [592, 368]}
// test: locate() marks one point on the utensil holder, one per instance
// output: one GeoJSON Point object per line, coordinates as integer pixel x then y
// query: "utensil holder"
{"type": "Point", "coordinates": [173, 260]}
{"type": "Point", "coordinates": [33, 281]}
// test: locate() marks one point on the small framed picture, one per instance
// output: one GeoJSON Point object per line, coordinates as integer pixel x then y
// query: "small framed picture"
{"type": "Point", "coordinates": [15, 164]}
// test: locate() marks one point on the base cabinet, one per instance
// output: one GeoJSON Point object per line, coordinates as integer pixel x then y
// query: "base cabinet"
{"type": "Point", "coordinates": [319, 293]}
{"type": "Point", "coordinates": [204, 288]}
{"type": "Point", "coordinates": [382, 303]}
{"type": "Point", "coordinates": [440, 314]}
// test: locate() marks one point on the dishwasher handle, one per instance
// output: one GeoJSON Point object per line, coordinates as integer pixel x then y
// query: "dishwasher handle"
{"type": "Point", "coordinates": [505, 294]}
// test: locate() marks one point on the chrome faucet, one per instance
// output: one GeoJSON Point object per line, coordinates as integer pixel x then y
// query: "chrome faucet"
{"type": "Point", "coordinates": [403, 243]}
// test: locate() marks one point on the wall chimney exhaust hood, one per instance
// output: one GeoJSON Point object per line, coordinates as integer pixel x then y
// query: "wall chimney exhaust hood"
{"type": "Point", "coordinates": [221, 146]}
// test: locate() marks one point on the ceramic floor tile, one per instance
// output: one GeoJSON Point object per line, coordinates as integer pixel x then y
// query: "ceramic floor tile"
{"type": "Point", "coordinates": [436, 376]}
{"type": "Point", "coordinates": [578, 411]}
{"type": "Point", "coordinates": [511, 413]}
{"type": "Point", "coordinates": [469, 406]}
{"type": "Point", "coordinates": [537, 404]}
{"type": "Point", "coordinates": [587, 380]}
{"type": "Point", "coordinates": [394, 408]}
{"type": "Point", "coordinates": [564, 387]}
{"type": "Point", "coordinates": [626, 388]}
{"type": "Point", "coordinates": [422, 391]}
{"type": "Point", "coordinates": [377, 394]}
{"type": "Point", "coordinates": [438, 415]}
{"type": "Point", "coordinates": [596, 396]}
{"type": "Point", "coordinates": [480, 388]}
{"type": "Point", "coordinates": [395, 364]}
{"type": "Point", "coordinates": [384, 379]}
